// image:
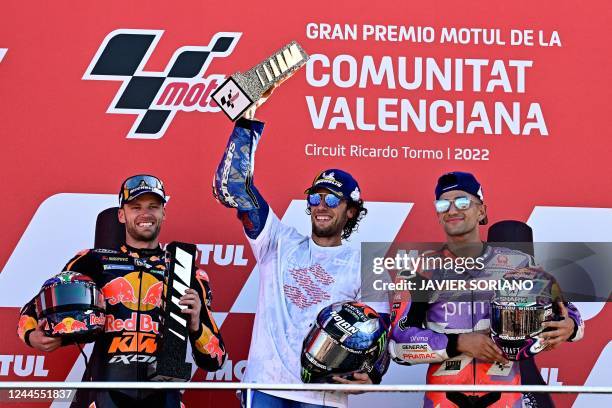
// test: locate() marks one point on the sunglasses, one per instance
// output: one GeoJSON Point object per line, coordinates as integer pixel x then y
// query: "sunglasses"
{"type": "Point", "coordinates": [136, 181]}
{"type": "Point", "coordinates": [136, 184]}
{"type": "Point", "coordinates": [331, 201]}
{"type": "Point", "coordinates": [461, 203]}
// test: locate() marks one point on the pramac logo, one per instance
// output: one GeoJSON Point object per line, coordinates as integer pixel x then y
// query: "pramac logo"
{"type": "Point", "coordinates": [155, 97]}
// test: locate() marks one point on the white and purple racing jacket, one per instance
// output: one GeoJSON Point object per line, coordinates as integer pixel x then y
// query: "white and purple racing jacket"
{"type": "Point", "coordinates": [427, 331]}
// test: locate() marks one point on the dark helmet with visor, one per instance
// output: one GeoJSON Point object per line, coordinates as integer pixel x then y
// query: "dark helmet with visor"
{"type": "Point", "coordinates": [517, 316]}
{"type": "Point", "coordinates": [72, 306]}
{"type": "Point", "coordinates": [347, 337]}
{"type": "Point", "coordinates": [515, 327]}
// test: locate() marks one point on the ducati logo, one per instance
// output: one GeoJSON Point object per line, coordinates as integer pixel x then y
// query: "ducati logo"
{"type": "Point", "coordinates": [155, 97]}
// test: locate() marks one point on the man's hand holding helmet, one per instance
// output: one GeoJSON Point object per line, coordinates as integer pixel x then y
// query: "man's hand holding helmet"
{"type": "Point", "coordinates": [559, 330]}
{"type": "Point", "coordinates": [481, 347]}
{"type": "Point", "coordinates": [40, 341]}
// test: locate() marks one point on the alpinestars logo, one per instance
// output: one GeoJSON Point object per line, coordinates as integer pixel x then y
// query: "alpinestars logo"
{"type": "Point", "coordinates": [155, 97]}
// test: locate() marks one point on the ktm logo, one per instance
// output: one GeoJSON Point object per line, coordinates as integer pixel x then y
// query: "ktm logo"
{"type": "Point", "coordinates": [133, 342]}
{"type": "Point", "coordinates": [155, 97]}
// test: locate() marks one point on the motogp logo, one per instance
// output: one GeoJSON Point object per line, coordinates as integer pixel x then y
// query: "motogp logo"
{"type": "Point", "coordinates": [155, 97]}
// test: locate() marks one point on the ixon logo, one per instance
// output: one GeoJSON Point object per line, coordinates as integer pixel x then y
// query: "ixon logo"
{"type": "Point", "coordinates": [155, 97]}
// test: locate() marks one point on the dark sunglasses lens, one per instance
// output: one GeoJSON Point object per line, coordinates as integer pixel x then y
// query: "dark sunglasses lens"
{"type": "Point", "coordinates": [314, 199]}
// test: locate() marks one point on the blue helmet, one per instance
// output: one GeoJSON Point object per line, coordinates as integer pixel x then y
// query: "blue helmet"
{"type": "Point", "coordinates": [347, 337]}
{"type": "Point", "coordinates": [72, 307]}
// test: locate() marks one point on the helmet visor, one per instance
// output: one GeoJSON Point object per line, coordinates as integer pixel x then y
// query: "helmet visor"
{"type": "Point", "coordinates": [80, 294]}
{"type": "Point", "coordinates": [329, 353]}
{"type": "Point", "coordinates": [517, 322]}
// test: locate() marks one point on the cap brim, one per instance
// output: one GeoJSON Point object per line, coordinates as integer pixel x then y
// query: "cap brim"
{"type": "Point", "coordinates": [138, 194]}
{"type": "Point", "coordinates": [336, 192]}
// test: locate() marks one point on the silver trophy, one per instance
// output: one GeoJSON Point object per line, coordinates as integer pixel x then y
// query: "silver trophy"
{"type": "Point", "coordinates": [241, 90]}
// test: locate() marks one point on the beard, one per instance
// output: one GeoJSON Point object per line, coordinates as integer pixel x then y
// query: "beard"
{"type": "Point", "coordinates": [334, 229]}
{"type": "Point", "coordinates": [143, 236]}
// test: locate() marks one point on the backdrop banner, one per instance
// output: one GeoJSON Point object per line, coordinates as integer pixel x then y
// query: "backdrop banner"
{"type": "Point", "coordinates": [395, 93]}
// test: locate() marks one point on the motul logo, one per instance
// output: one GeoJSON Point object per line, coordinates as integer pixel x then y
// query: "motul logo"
{"type": "Point", "coordinates": [222, 255]}
{"type": "Point", "coordinates": [228, 372]}
{"type": "Point", "coordinates": [22, 366]}
{"type": "Point", "coordinates": [155, 97]}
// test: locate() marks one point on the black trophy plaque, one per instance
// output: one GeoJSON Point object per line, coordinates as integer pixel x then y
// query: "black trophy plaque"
{"type": "Point", "coordinates": [173, 337]}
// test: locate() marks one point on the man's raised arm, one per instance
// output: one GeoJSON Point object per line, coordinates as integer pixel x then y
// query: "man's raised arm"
{"type": "Point", "coordinates": [233, 183]}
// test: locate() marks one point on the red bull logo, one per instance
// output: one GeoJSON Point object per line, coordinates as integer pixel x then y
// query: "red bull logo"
{"type": "Point", "coordinates": [200, 274]}
{"type": "Point", "coordinates": [78, 326]}
{"type": "Point", "coordinates": [124, 290]}
{"type": "Point", "coordinates": [25, 323]}
{"type": "Point", "coordinates": [214, 349]}
{"type": "Point", "coordinates": [119, 290]}
{"type": "Point", "coordinates": [146, 324]}
{"type": "Point", "coordinates": [154, 294]}
{"type": "Point", "coordinates": [208, 343]}
{"type": "Point", "coordinates": [69, 325]}
{"type": "Point", "coordinates": [96, 320]}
